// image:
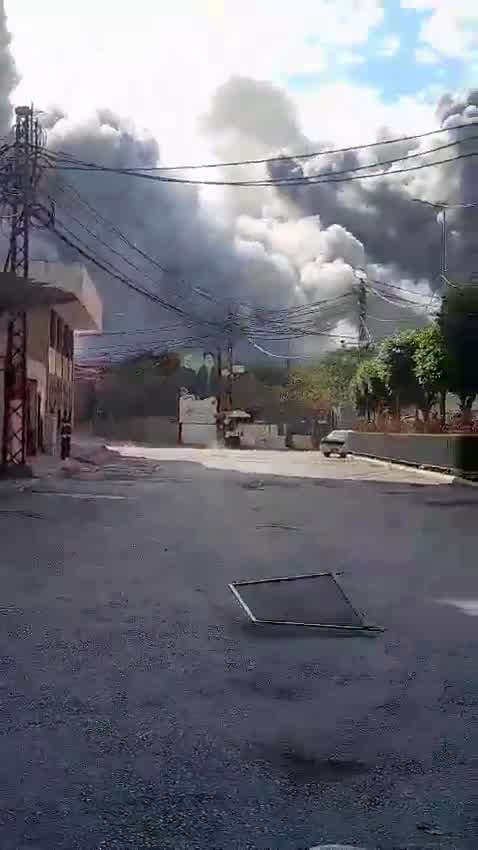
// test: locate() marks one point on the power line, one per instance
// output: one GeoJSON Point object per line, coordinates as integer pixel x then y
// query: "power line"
{"type": "Point", "coordinates": [285, 157]}
{"type": "Point", "coordinates": [324, 178]}
{"type": "Point", "coordinates": [126, 332]}
{"type": "Point", "coordinates": [68, 187]}
{"type": "Point", "coordinates": [298, 312]}
{"type": "Point", "coordinates": [398, 302]}
{"type": "Point", "coordinates": [296, 356]}
{"type": "Point", "coordinates": [114, 273]}
{"type": "Point", "coordinates": [393, 286]}
{"type": "Point", "coordinates": [109, 268]}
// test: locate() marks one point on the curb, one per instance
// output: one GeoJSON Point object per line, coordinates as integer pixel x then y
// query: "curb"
{"type": "Point", "coordinates": [446, 477]}
{"type": "Point", "coordinates": [408, 467]}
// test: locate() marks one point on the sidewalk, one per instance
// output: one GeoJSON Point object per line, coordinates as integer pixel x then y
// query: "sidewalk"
{"type": "Point", "coordinates": [85, 460]}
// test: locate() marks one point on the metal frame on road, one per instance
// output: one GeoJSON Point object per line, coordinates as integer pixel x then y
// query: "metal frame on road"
{"type": "Point", "coordinates": [364, 627]}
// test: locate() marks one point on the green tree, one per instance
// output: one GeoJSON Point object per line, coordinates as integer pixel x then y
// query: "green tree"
{"type": "Point", "coordinates": [396, 356]}
{"type": "Point", "coordinates": [430, 366]}
{"type": "Point", "coordinates": [324, 383]}
{"type": "Point", "coordinates": [458, 321]}
{"type": "Point", "coordinates": [368, 389]}
{"type": "Point", "coordinates": [306, 384]}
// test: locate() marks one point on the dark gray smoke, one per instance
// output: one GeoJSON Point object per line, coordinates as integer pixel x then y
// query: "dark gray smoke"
{"type": "Point", "coordinates": [453, 111]}
{"type": "Point", "coordinates": [251, 115]}
{"type": "Point", "coordinates": [166, 222]}
{"type": "Point", "coordinates": [393, 228]}
{"type": "Point", "coordinates": [275, 247]}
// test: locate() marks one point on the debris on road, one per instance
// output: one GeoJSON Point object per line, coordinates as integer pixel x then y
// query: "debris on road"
{"type": "Point", "coordinates": [304, 600]}
{"type": "Point", "coordinates": [430, 829]}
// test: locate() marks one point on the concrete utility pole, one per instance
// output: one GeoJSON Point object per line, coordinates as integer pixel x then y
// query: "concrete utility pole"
{"type": "Point", "coordinates": [287, 362]}
{"type": "Point", "coordinates": [363, 333]}
{"type": "Point", "coordinates": [230, 370]}
{"type": "Point", "coordinates": [18, 195]}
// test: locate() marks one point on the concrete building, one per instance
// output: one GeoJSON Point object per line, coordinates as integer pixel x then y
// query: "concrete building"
{"type": "Point", "coordinates": [58, 299]}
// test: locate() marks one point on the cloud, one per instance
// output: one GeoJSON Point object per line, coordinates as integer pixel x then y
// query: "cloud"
{"type": "Point", "coordinates": [273, 246]}
{"type": "Point", "coordinates": [426, 56]}
{"type": "Point", "coordinates": [135, 61]}
{"type": "Point", "coordinates": [449, 26]}
{"type": "Point", "coordinates": [350, 57]}
{"type": "Point", "coordinates": [353, 114]}
{"type": "Point", "coordinates": [390, 46]}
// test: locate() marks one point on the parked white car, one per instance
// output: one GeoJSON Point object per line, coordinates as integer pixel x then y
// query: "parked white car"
{"type": "Point", "coordinates": [335, 443]}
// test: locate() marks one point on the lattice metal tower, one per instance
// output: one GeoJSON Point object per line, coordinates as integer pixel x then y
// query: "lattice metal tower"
{"type": "Point", "coordinates": [20, 180]}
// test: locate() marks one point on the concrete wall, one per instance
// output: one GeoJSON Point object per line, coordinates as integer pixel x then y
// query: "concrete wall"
{"type": "Point", "coordinates": [451, 452]}
{"type": "Point", "coordinates": [86, 312]}
{"type": "Point", "coordinates": [37, 372]}
{"type": "Point", "coordinates": [203, 435]}
{"type": "Point", "coordinates": [37, 356]}
{"type": "Point", "coordinates": [260, 435]}
{"type": "Point", "coordinates": [303, 442]}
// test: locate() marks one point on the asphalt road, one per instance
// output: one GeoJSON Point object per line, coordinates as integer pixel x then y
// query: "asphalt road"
{"type": "Point", "coordinates": [139, 708]}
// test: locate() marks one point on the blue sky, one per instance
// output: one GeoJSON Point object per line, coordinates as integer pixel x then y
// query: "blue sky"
{"type": "Point", "coordinates": [350, 66]}
{"type": "Point", "coordinates": [403, 55]}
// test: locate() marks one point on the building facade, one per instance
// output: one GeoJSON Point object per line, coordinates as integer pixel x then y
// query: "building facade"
{"type": "Point", "coordinates": [58, 300]}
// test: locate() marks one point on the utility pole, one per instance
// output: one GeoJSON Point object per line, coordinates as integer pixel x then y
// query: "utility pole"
{"type": "Point", "coordinates": [230, 369]}
{"type": "Point", "coordinates": [287, 362]}
{"type": "Point", "coordinates": [21, 177]}
{"type": "Point", "coordinates": [363, 334]}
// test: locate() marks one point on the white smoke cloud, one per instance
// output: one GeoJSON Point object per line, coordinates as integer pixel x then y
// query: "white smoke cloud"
{"type": "Point", "coordinates": [275, 247]}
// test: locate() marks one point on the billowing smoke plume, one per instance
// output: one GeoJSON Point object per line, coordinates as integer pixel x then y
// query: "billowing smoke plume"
{"type": "Point", "coordinates": [275, 247]}
{"type": "Point", "coordinates": [8, 74]}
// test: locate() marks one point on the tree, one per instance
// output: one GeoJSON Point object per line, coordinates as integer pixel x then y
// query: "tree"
{"type": "Point", "coordinates": [396, 357]}
{"type": "Point", "coordinates": [271, 375]}
{"type": "Point", "coordinates": [458, 321]}
{"type": "Point", "coordinates": [325, 383]}
{"type": "Point", "coordinates": [430, 366]}
{"type": "Point", "coordinates": [339, 368]}
{"type": "Point", "coordinates": [306, 384]}
{"type": "Point", "coordinates": [368, 389]}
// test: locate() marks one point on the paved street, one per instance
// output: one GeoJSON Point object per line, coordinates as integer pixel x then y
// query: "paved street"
{"type": "Point", "coordinates": [139, 708]}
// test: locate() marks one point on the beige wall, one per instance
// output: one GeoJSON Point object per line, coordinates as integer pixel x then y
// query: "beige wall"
{"type": "Point", "coordinates": [38, 362]}
{"type": "Point", "coordinates": [86, 312]}
{"type": "Point", "coordinates": [38, 325]}
{"type": "Point", "coordinates": [36, 371]}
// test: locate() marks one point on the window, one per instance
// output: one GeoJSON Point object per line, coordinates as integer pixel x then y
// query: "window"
{"type": "Point", "coordinates": [69, 343]}
{"type": "Point", "coordinates": [52, 328]}
{"type": "Point", "coordinates": [59, 333]}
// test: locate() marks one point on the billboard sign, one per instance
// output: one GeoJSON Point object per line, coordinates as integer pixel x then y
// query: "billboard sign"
{"type": "Point", "coordinates": [199, 374]}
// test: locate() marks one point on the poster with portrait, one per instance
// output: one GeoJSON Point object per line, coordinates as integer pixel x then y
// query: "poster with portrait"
{"type": "Point", "coordinates": [199, 374]}
{"type": "Point", "coordinates": [199, 387]}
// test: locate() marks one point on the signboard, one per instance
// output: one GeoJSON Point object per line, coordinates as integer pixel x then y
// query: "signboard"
{"type": "Point", "coordinates": [196, 411]}
{"type": "Point", "coordinates": [199, 374]}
